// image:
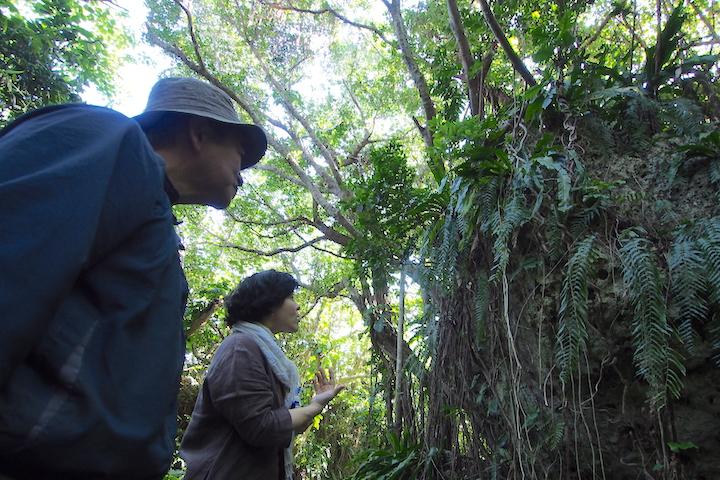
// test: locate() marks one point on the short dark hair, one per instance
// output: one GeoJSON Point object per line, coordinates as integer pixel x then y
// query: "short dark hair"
{"type": "Point", "coordinates": [171, 128]}
{"type": "Point", "coordinates": [168, 130]}
{"type": "Point", "coordinates": [259, 295]}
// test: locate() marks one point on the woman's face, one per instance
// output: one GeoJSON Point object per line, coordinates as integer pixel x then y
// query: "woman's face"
{"type": "Point", "coordinates": [284, 319]}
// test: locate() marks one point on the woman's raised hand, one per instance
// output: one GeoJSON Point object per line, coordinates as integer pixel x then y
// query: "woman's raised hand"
{"type": "Point", "coordinates": [326, 388]}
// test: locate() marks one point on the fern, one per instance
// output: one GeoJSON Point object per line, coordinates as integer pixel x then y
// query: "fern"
{"type": "Point", "coordinates": [447, 253]}
{"type": "Point", "coordinates": [572, 331]}
{"type": "Point", "coordinates": [687, 273]}
{"type": "Point", "coordinates": [555, 434]}
{"type": "Point", "coordinates": [554, 236]}
{"type": "Point", "coordinates": [487, 201]}
{"type": "Point", "coordinates": [714, 329]}
{"type": "Point", "coordinates": [683, 116]}
{"type": "Point", "coordinates": [656, 361]}
{"type": "Point", "coordinates": [482, 300]}
{"type": "Point", "coordinates": [715, 176]}
{"type": "Point", "coordinates": [581, 220]}
{"type": "Point", "coordinates": [503, 226]}
{"type": "Point", "coordinates": [709, 243]}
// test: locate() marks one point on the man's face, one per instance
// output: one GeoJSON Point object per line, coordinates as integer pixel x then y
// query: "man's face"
{"type": "Point", "coordinates": [222, 160]}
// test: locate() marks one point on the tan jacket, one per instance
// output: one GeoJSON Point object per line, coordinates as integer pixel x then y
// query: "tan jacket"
{"type": "Point", "coordinates": [239, 427]}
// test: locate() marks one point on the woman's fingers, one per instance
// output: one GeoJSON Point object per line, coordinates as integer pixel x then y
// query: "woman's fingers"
{"type": "Point", "coordinates": [332, 376]}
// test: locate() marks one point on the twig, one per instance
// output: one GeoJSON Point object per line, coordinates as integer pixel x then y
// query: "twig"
{"type": "Point", "coordinates": [271, 253]}
{"type": "Point", "coordinates": [193, 38]}
{"type": "Point", "coordinates": [332, 12]}
{"type": "Point", "coordinates": [279, 173]}
{"type": "Point", "coordinates": [517, 63]}
{"type": "Point", "coordinates": [705, 21]}
{"type": "Point", "coordinates": [466, 57]}
{"type": "Point", "coordinates": [418, 78]}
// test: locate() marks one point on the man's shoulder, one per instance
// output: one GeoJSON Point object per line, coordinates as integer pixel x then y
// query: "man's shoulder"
{"type": "Point", "coordinates": [73, 115]}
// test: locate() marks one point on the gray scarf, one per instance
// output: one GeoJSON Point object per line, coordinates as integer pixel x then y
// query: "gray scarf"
{"type": "Point", "coordinates": [282, 367]}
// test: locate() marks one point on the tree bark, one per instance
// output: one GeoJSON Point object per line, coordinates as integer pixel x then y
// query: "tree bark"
{"type": "Point", "coordinates": [418, 78]}
{"type": "Point", "coordinates": [517, 63]}
{"type": "Point", "coordinates": [472, 81]}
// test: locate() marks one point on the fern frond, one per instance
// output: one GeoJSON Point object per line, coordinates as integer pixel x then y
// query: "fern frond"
{"type": "Point", "coordinates": [482, 300]}
{"type": "Point", "coordinates": [447, 253]}
{"type": "Point", "coordinates": [580, 222]}
{"type": "Point", "coordinates": [554, 235]}
{"type": "Point", "coordinates": [655, 359]}
{"type": "Point", "coordinates": [487, 201]}
{"type": "Point", "coordinates": [687, 273]}
{"type": "Point", "coordinates": [572, 330]}
{"type": "Point", "coordinates": [503, 226]}
{"type": "Point", "coordinates": [715, 176]}
{"type": "Point", "coordinates": [714, 329]}
{"type": "Point", "coordinates": [709, 244]}
{"type": "Point", "coordinates": [683, 116]}
{"type": "Point", "coordinates": [555, 434]}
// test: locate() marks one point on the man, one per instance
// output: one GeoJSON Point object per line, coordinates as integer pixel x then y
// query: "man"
{"type": "Point", "coordinates": [92, 293]}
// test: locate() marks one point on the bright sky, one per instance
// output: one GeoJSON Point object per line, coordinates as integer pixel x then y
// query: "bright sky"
{"type": "Point", "coordinates": [136, 78]}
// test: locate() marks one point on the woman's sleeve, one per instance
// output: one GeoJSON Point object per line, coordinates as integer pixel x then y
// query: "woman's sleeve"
{"type": "Point", "coordinates": [242, 392]}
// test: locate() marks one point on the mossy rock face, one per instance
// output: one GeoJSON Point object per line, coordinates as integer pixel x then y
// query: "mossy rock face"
{"type": "Point", "coordinates": [600, 423]}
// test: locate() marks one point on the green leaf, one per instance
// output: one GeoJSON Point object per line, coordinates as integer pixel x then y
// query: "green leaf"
{"type": "Point", "coordinates": [677, 447]}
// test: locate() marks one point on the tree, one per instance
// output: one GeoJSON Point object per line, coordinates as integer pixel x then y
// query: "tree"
{"type": "Point", "coordinates": [51, 49]}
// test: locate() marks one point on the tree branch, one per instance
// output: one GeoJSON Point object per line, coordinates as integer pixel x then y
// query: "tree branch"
{"type": "Point", "coordinates": [352, 157]}
{"type": "Point", "coordinates": [515, 60]}
{"type": "Point", "coordinates": [705, 20]}
{"type": "Point", "coordinates": [193, 38]}
{"type": "Point", "coordinates": [332, 12]}
{"type": "Point", "coordinates": [202, 316]}
{"type": "Point", "coordinates": [330, 156]}
{"type": "Point", "coordinates": [332, 183]}
{"type": "Point", "coordinates": [415, 73]}
{"type": "Point", "coordinates": [472, 82]}
{"type": "Point", "coordinates": [271, 253]}
{"type": "Point", "coordinates": [279, 173]}
{"type": "Point", "coordinates": [484, 71]}
{"type": "Point", "coordinates": [284, 221]}
{"type": "Point", "coordinates": [609, 16]}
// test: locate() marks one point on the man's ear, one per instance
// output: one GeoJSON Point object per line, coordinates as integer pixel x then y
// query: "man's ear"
{"type": "Point", "coordinates": [197, 132]}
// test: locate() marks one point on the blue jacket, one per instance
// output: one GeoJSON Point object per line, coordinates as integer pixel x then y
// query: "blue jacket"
{"type": "Point", "coordinates": [92, 296]}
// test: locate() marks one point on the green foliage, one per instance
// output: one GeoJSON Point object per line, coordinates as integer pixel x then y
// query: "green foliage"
{"type": "Point", "coordinates": [572, 330]}
{"type": "Point", "coordinates": [403, 460]}
{"type": "Point", "coordinates": [380, 204]}
{"type": "Point", "coordinates": [482, 302]}
{"type": "Point", "coordinates": [708, 146]}
{"type": "Point", "coordinates": [503, 224]}
{"type": "Point", "coordinates": [709, 243]}
{"type": "Point", "coordinates": [656, 360]}
{"type": "Point", "coordinates": [677, 447]}
{"type": "Point", "coordinates": [659, 55]}
{"type": "Point", "coordinates": [51, 49]}
{"type": "Point", "coordinates": [688, 276]}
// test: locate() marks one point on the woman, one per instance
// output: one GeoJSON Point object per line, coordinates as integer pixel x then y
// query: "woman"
{"type": "Point", "coordinates": [248, 409]}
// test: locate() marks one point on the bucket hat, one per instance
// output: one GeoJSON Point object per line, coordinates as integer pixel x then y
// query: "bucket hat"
{"type": "Point", "coordinates": [195, 97]}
